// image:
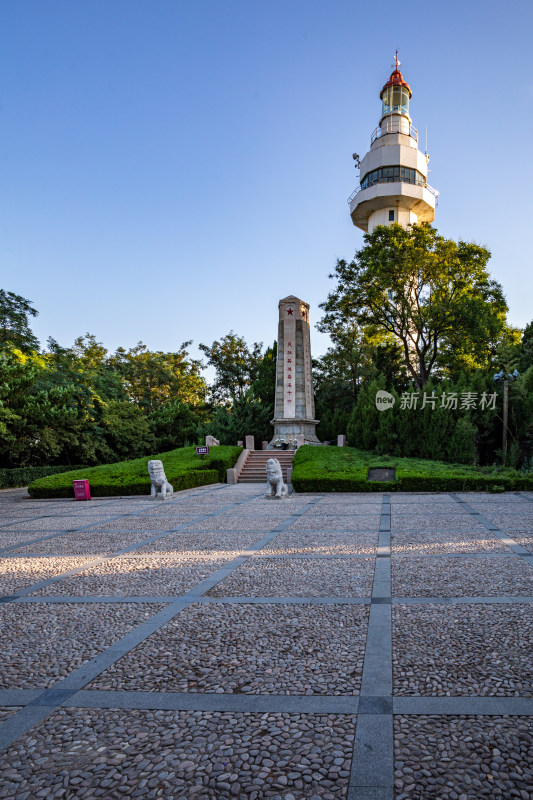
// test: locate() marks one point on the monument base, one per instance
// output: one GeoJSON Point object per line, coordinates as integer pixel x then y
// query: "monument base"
{"type": "Point", "coordinates": [286, 430]}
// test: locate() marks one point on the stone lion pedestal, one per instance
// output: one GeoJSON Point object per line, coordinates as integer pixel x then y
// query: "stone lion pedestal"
{"type": "Point", "coordinates": [161, 489]}
{"type": "Point", "coordinates": [276, 488]}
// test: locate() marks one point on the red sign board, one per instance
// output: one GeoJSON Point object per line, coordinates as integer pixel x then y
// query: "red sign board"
{"type": "Point", "coordinates": [81, 490]}
{"type": "Point", "coordinates": [202, 451]}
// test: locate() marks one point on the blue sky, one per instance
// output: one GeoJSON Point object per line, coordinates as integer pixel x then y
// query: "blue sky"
{"type": "Point", "coordinates": [170, 170]}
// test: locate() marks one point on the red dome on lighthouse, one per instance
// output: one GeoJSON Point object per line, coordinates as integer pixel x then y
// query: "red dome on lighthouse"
{"type": "Point", "coordinates": [396, 79]}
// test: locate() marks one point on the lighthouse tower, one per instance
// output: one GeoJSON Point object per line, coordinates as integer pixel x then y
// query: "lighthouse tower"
{"type": "Point", "coordinates": [393, 173]}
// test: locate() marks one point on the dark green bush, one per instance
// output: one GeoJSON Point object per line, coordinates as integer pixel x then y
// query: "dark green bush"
{"type": "Point", "coordinates": [22, 476]}
{"type": "Point", "coordinates": [183, 468]}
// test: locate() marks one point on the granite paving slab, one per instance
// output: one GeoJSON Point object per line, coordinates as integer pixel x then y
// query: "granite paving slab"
{"type": "Point", "coordinates": [128, 576]}
{"type": "Point", "coordinates": [20, 573]}
{"type": "Point", "coordinates": [484, 576]}
{"type": "Point", "coordinates": [42, 643]}
{"type": "Point", "coordinates": [317, 543]}
{"type": "Point", "coordinates": [302, 577]}
{"type": "Point", "coordinates": [252, 649]}
{"type": "Point", "coordinates": [526, 540]}
{"type": "Point", "coordinates": [5, 713]}
{"type": "Point", "coordinates": [177, 754]}
{"type": "Point", "coordinates": [523, 531]}
{"type": "Point", "coordinates": [463, 757]}
{"type": "Point", "coordinates": [462, 650]}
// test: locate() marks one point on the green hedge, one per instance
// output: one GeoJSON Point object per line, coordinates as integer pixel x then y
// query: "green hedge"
{"type": "Point", "coordinates": [183, 468]}
{"type": "Point", "coordinates": [22, 476]}
{"type": "Point", "coordinates": [334, 469]}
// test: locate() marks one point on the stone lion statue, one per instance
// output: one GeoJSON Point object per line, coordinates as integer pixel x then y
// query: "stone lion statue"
{"type": "Point", "coordinates": [161, 488]}
{"type": "Point", "coordinates": [275, 486]}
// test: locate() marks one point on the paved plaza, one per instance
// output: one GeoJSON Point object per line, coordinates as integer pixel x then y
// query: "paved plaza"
{"type": "Point", "coordinates": [221, 645]}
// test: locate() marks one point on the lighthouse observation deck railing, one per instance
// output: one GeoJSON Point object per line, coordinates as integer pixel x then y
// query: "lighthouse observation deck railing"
{"type": "Point", "coordinates": [430, 189]}
{"type": "Point", "coordinates": [394, 126]}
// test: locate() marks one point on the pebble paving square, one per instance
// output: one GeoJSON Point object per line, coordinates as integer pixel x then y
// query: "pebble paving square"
{"type": "Point", "coordinates": [332, 647]}
{"type": "Point", "coordinates": [183, 755]}
{"type": "Point", "coordinates": [225, 543]}
{"type": "Point", "coordinates": [82, 543]}
{"type": "Point", "coordinates": [482, 650]}
{"type": "Point", "coordinates": [273, 649]}
{"type": "Point", "coordinates": [299, 577]}
{"type": "Point", "coordinates": [151, 575]}
{"type": "Point", "coordinates": [480, 758]}
{"type": "Point", "coordinates": [318, 543]}
{"type": "Point", "coordinates": [43, 643]}
{"type": "Point", "coordinates": [332, 522]}
{"type": "Point", "coordinates": [442, 542]}
{"type": "Point", "coordinates": [20, 573]}
{"type": "Point", "coordinates": [453, 577]}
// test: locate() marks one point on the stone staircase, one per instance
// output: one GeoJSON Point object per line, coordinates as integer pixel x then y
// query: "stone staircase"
{"type": "Point", "coordinates": [254, 470]}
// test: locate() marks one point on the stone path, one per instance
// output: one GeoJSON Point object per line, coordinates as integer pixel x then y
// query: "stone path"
{"type": "Point", "coordinates": [220, 645]}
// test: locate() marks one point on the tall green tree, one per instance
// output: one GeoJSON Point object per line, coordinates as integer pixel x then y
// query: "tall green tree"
{"type": "Point", "coordinates": [236, 367]}
{"type": "Point", "coordinates": [154, 378]}
{"type": "Point", "coordinates": [433, 294]}
{"type": "Point", "coordinates": [526, 348]}
{"type": "Point", "coordinates": [15, 330]}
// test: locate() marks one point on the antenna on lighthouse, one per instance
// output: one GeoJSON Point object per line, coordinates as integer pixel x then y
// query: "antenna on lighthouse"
{"type": "Point", "coordinates": [397, 63]}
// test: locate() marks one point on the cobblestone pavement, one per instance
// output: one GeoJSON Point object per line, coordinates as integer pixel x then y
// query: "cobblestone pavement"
{"type": "Point", "coordinates": [219, 645]}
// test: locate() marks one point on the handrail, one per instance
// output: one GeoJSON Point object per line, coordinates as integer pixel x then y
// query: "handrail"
{"type": "Point", "coordinates": [393, 127]}
{"type": "Point", "coordinates": [430, 189]}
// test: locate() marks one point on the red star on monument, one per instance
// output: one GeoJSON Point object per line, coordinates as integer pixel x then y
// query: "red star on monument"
{"type": "Point", "coordinates": [290, 311]}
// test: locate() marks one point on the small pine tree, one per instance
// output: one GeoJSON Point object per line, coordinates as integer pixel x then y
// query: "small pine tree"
{"type": "Point", "coordinates": [386, 437]}
{"type": "Point", "coordinates": [407, 430]}
{"type": "Point", "coordinates": [462, 444]}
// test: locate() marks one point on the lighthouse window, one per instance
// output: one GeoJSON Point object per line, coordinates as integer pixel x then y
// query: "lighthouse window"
{"type": "Point", "coordinates": [392, 175]}
{"type": "Point", "coordinates": [395, 100]}
{"type": "Point", "coordinates": [391, 215]}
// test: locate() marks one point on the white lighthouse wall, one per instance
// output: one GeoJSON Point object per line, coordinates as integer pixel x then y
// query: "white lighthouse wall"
{"type": "Point", "coordinates": [401, 215]}
{"type": "Point", "coordinates": [394, 155]}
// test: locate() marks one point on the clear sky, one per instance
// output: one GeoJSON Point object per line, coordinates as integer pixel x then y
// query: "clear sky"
{"type": "Point", "coordinates": [171, 169]}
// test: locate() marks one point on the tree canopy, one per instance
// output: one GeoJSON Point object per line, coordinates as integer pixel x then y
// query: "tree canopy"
{"type": "Point", "coordinates": [15, 329]}
{"type": "Point", "coordinates": [236, 367]}
{"type": "Point", "coordinates": [433, 294]}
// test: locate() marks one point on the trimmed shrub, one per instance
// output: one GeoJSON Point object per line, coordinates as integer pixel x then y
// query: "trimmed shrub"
{"type": "Point", "coordinates": [183, 468]}
{"type": "Point", "coordinates": [22, 476]}
{"type": "Point", "coordinates": [317, 469]}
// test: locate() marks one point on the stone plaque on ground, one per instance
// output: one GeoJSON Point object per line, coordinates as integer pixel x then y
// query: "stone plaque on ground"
{"type": "Point", "coordinates": [382, 474]}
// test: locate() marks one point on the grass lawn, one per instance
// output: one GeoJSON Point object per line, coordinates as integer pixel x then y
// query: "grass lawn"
{"type": "Point", "coordinates": [345, 469]}
{"type": "Point", "coordinates": [183, 468]}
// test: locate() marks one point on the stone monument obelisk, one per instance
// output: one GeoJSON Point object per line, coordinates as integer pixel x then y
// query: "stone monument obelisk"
{"type": "Point", "coordinates": [294, 409]}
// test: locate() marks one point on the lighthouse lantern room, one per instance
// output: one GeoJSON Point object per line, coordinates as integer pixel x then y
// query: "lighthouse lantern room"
{"type": "Point", "coordinates": [393, 174]}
